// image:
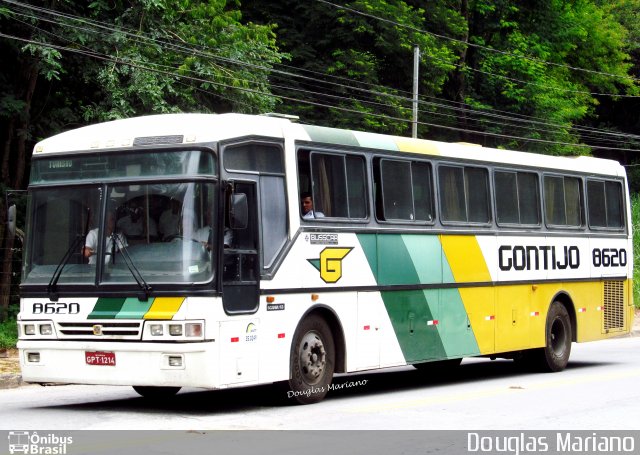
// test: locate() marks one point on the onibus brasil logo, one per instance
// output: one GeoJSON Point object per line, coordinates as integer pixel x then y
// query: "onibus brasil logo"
{"type": "Point", "coordinates": [329, 264]}
{"type": "Point", "coordinates": [32, 443]}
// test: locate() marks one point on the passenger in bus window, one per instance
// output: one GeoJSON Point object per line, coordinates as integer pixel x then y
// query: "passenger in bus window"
{"type": "Point", "coordinates": [169, 224]}
{"type": "Point", "coordinates": [135, 223]}
{"type": "Point", "coordinates": [307, 207]}
{"type": "Point", "coordinates": [91, 243]}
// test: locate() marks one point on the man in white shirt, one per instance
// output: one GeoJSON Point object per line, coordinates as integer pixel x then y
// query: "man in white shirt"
{"type": "Point", "coordinates": [307, 207]}
{"type": "Point", "coordinates": [91, 242]}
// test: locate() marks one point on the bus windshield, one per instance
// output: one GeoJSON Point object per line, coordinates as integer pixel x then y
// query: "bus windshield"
{"type": "Point", "coordinates": [161, 232]}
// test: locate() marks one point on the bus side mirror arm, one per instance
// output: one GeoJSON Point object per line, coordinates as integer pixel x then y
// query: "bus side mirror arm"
{"type": "Point", "coordinates": [239, 211]}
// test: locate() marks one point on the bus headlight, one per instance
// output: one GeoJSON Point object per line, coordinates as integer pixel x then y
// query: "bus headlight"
{"type": "Point", "coordinates": [193, 329]}
{"type": "Point", "coordinates": [29, 329]}
{"type": "Point", "coordinates": [179, 331]}
{"type": "Point", "coordinates": [46, 329]}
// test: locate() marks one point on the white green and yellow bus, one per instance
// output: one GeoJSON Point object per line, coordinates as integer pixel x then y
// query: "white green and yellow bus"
{"type": "Point", "coordinates": [174, 251]}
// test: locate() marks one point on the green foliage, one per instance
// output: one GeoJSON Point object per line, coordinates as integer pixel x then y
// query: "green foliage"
{"type": "Point", "coordinates": [635, 218]}
{"type": "Point", "coordinates": [368, 54]}
{"type": "Point", "coordinates": [532, 76]}
{"type": "Point", "coordinates": [185, 56]}
{"type": "Point", "coordinates": [8, 334]}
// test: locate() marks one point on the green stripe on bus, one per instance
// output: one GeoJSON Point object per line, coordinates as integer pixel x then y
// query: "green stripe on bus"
{"type": "Point", "coordinates": [330, 135]}
{"type": "Point", "coordinates": [368, 244]}
{"type": "Point", "coordinates": [106, 308]}
{"type": "Point", "coordinates": [426, 256]}
{"type": "Point", "coordinates": [375, 141]}
{"type": "Point", "coordinates": [410, 313]}
{"type": "Point", "coordinates": [429, 324]}
{"type": "Point", "coordinates": [394, 261]}
{"type": "Point", "coordinates": [134, 308]}
{"type": "Point", "coordinates": [454, 326]}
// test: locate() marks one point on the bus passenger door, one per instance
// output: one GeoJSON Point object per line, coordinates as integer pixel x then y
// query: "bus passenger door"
{"type": "Point", "coordinates": [241, 264]}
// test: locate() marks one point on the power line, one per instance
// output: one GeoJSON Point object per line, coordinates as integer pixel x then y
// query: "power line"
{"type": "Point", "coordinates": [137, 37]}
{"type": "Point", "coordinates": [181, 48]}
{"type": "Point", "coordinates": [134, 65]}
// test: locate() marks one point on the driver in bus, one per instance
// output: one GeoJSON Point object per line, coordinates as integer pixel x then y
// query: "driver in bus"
{"type": "Point", "coordinates": [91, 242]}
{"type": "Point", "coordinates": [135, 223]}
{"type": "Point", "coordinates": [205, 234]}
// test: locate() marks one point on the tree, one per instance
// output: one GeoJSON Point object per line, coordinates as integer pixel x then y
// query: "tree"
{"type": "Point", "coordinates": [351, 65]}
{"type": "Point", "coordinates": [525, 60]}
{"type": "Point", "coordinates": [181, 56]}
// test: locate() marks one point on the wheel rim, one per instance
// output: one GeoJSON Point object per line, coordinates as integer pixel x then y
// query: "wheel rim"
{"type": "Point", "coordinates": [558, 337]}
{"type": "Point", "coordinates": [313, 357]}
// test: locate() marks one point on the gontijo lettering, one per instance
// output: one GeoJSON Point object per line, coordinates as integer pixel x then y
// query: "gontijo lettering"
{"type": "Point", "coordinates": [544, 257]}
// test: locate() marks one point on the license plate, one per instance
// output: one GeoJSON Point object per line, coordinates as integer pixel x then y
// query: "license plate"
{"type": "Point", "coordinates": [100, 358]}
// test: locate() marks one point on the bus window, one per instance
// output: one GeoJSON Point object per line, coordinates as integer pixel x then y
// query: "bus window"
{"type": "Point", "coordinates": [563, 201]}
{"type": "Point", "coordinates": [59, 224]}
{"type": "Point", "coordinates": [464, 194]}
{"type": "Point", "coordinates": [605, 204]}
{"type": "Point", "coordinates": [338, 184]}
{"type": "Point", "coordinates": [254, 157]}
{"type": "Point", "coordinates": [405, 190]}
{"type": "Point", "coordinates": [517, 199]}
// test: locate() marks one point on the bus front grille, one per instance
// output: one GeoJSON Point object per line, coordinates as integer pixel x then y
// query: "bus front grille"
{"type": "Point", "coordinates": [613, 306]}
{"type": "Point", "coordinates": [100, 330]}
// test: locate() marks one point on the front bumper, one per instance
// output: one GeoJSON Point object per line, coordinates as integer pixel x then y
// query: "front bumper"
{"type": "Point", "coordinates": [144, 364]}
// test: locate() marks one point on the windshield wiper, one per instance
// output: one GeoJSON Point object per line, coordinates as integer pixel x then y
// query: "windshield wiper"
{"type": "Point", "coordinates": [52, 286]}
{"type": "Point", "coordinates": [144, 286]}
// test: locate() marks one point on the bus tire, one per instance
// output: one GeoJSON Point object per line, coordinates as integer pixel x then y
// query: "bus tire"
{"type": "Point", "coordinates": [555, 354]}
{"type": "Point", "coordinates": [153, 392]}
{"type": "Point", "coordinates": [312, 361]}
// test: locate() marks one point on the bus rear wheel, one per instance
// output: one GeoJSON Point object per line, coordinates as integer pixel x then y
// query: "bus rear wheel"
{"type": "Point", "coordinates": [554, 356]}
{"type": "Point", "coordinates": [312, 361]}
{"type": "Point", "coordinates": [152, 392]}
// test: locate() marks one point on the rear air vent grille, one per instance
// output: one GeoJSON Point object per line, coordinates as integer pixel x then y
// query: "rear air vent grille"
{"type": "Point", "coordinates": [613, 306]}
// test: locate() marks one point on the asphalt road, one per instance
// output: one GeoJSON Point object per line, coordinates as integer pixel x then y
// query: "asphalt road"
{"type": "Point", "coordinates": [598, 391]}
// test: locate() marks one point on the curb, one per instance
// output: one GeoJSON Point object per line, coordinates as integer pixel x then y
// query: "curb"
{"type": "Point", "coordinates": [10, 381]}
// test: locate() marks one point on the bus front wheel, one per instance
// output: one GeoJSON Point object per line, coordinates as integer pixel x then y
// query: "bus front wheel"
{"type": "Point", "coordinates": [312, 361]}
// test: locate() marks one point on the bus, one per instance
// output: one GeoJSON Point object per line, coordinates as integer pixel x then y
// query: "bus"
{"type": "Point", "coordinates": [218, 251]}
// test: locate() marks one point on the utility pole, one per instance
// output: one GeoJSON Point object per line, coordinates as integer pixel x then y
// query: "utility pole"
{"type": "Point", "coordinates": [416, 64]}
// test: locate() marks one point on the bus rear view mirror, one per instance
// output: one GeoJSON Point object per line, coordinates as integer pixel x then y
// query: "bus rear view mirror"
{"type": "Point", "coordinates": [12, 223]}
{"type": "Point", "coordinates": [11, 219]}
{"type": "Point", "coordinates": [239, 213]}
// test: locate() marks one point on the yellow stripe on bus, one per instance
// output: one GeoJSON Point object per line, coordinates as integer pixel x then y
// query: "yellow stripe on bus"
{"type": "Point", "coordinates": [417, 146]}
{"type": "Point", "coordinates": [164, 307]}
{"type": "Point", "coordinates": [465, 258]}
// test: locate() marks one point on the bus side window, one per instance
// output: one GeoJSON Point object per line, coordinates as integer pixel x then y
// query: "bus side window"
{"type": "Point", "coordinates": [338, 183]}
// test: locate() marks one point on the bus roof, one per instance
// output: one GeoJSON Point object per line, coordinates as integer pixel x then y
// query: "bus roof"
{"type": "Point", "coordinates": [202, 128]}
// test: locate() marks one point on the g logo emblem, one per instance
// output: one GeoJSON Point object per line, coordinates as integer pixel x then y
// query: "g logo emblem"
{"type": "Point", "coordinates": [330, 263]}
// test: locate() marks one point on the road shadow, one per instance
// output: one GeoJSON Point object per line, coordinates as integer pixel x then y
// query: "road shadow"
{"type": "Point", "coordinates": [370, 383]}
